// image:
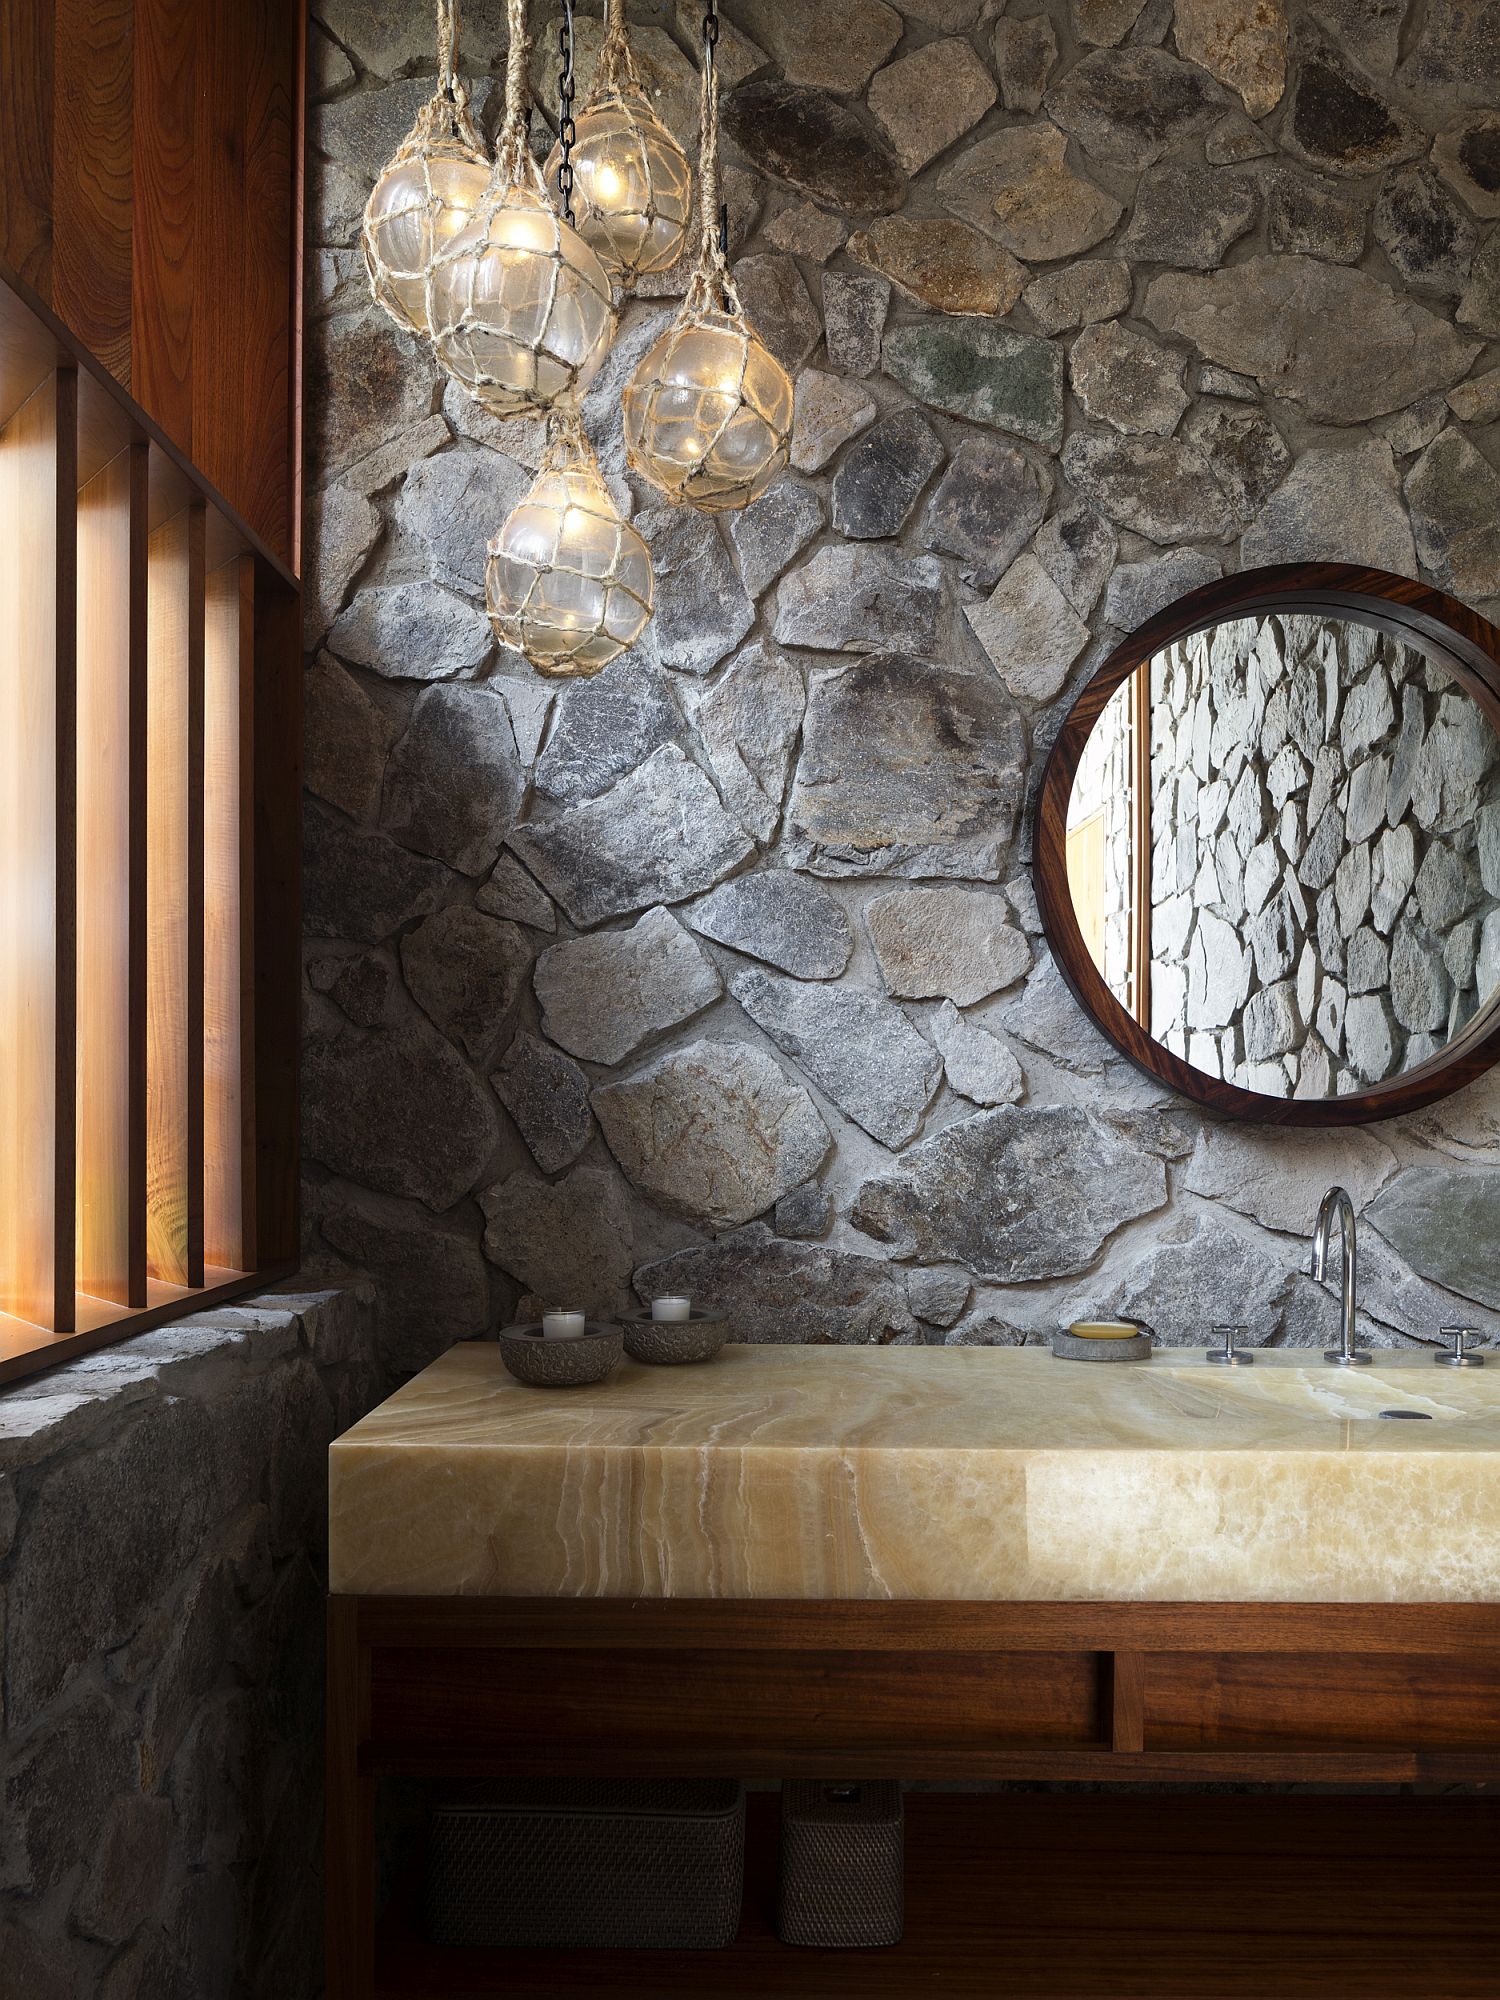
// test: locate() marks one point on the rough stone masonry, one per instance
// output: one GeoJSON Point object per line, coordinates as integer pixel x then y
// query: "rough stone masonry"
{"type": "Point", "coordinates": [163, 1517]}
{"type": "Point", "coordinates": [723, 971]}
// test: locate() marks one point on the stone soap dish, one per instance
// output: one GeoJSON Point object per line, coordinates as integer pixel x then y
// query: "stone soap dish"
{"type": "Point", "coordinates": [1102, 1340]}
{"type": "Point", "coordinates": [560, 1364]}
{"type": "Point", "coordinates": [667, 1343]}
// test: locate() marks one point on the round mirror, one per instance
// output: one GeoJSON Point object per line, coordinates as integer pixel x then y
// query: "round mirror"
{"type": "Point", "coordinates": [1268, 845]}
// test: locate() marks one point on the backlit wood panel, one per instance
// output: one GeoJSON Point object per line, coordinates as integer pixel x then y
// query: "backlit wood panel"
{"type": "Point", "coordinates": [92, 176]}
{"type": "Point", "coordinates": [174, 882]}
{"type": "Point", "coordinates": [111, 1198]}
{"type": "Point", "coordinates": [228, 939]}
{"type": "Point", "coordinates": [38, 486]}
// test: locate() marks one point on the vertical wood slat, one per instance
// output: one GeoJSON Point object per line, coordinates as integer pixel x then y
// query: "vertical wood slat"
{"type": "Point", "coordinates": [38, 615]}
{"type": "Point", "coordinates": [228, 916]}
{"type": "Point", "coordinates": [167, 243]}
{"type": "Point", "coordinates": [220, 313]}
{"type": "Point", "coordinates": [278, 916]}
{"type": "Point", "coordinates": [174, 900]}
{"type": "Point", "coordinates": [264, 338]}
{"type": "Point", "coordinates": [92, 178]}
{"type": "Point", "coordinates": [111, 881]}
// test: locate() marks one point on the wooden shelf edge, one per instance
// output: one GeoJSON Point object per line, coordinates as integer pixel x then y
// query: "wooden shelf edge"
{"type": "Point", "coordinates": [974, 1625]}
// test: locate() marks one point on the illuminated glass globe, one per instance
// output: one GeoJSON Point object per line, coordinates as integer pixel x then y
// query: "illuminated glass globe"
{"type": "Point", "coordinates": [569, 582]}
{"type": "Point", "coordinates": [424, 198]}
{"type": "Point", "coordinates": [708, 413]}
{"type": "Point", "coordinates": [632, 185]}
{"type": "Point", "coordinates": [520, 309]}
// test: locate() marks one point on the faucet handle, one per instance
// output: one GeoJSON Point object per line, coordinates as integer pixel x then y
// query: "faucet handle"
{"type": "Point", "coordinates": [1229, 1356]}
{"type": "Point", "coordinates": [1461, 1357]}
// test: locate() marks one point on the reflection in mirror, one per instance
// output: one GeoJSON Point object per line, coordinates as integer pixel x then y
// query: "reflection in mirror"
{"type": "Point", "coordinates": [1283, 852]}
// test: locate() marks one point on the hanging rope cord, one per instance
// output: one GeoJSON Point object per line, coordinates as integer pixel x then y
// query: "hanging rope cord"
{"type": "Point", "coordinates": [712, 285]}
{"type": "Point", "coordinates": [445, 118]}
{"type": "Point", "coordinates": [514, 165]}
{"type": "Point", "coordinates": [616, 71]}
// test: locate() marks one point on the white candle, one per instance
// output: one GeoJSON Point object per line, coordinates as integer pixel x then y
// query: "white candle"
{"type": "Point", "coordinates": [671, 1308]}
{"type": "Point", "coordinates": [562, 1325]}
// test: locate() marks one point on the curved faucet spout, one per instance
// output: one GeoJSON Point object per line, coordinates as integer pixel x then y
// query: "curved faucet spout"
{"type": "Point", "coordinates": [1337, 1203]}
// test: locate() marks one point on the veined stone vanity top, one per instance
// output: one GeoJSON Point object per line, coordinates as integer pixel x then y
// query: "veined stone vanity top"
{"type": "Point", "coordinates": [928, 1472]}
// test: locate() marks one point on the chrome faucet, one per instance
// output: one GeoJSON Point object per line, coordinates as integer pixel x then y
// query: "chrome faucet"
{"type": "Point", "coordinates": [1337, 1202]}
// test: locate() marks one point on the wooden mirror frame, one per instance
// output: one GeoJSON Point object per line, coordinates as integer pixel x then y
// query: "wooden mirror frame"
{"type": "Point", "coordinates": [1462, 642]}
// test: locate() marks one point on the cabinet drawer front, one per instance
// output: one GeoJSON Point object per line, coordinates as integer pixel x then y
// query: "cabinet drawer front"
{"type": "Point", "coordinates": [779, 1710]}
{"type": "Point", "coordinates": [1221, 1700]}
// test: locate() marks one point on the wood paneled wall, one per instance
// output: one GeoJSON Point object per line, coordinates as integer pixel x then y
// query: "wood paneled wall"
{"type": "Point", "coordinates": [150, 662]}
{"type": "Point", "coordinates": [148, 196]}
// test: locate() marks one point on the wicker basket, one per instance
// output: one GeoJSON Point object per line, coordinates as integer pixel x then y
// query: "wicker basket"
{"type": "Point", "coordinates": [577, 1864]}
{"type": "Point", "coordinates": [841, 1856]}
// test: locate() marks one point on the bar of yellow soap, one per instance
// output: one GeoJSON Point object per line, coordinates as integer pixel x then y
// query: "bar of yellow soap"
{"type": "Point", "coordinates": [1103, 1329]}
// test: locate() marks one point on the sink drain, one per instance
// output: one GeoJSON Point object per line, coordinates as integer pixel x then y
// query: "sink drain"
{"type": "Point", "coordinates": [1412, 1416]}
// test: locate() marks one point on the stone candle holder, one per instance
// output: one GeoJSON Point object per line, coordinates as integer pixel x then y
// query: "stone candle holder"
{"type": "Point", "coordinates": [667, 1343]}
{"type": "Point", "coordinates": [560, 1364]}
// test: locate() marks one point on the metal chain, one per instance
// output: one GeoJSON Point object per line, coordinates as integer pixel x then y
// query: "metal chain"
{"type": "Point", "coordinates": [710, 44]}
{"type": "Point", "coordinates": [567, 131]}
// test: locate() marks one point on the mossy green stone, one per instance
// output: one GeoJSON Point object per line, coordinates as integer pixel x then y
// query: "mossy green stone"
{"type": "Point", "coordinates": [984, 372]}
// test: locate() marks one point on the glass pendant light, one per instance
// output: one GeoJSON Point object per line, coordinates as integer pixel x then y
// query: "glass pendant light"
{"type": "Point", "coordinates": [569, 582]}
{"type": "Point", "coordinates": [708, 413]}
{"type": "Point", "coordinates": [627, 177]}
{"type": "Point", "coordinates": [428, 192]}
{"type": "Point", "coordinates": [521, 310]}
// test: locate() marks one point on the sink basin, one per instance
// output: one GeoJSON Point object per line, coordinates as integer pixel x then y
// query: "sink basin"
{"type": "Point", "coordinates": [1299, 1385]}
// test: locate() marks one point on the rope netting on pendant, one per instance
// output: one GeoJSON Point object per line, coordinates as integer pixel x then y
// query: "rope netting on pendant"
{"type": "Point", "coordinates": [429, 191]}
{"type": "Point", "coordinates": [521, 309]}
{"type": "Point", "coordinates": [627, 177]}
{"type": "Point", "coordinates": [569, 581]}
{"type": "Point", "coordinates": [708, 413]}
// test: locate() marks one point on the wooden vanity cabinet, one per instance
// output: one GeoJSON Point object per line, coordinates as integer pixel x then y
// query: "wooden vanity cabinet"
{"type": "Point", "coordinates": [1088, 1693]}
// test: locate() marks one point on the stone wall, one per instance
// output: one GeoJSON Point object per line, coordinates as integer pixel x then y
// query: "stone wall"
{"type": "Point", "coordinates": [1325, 812]}
{"type": "Point", "coordinates": [723, 972]}
{"type": "Point", "coordinates": [163, 1513]}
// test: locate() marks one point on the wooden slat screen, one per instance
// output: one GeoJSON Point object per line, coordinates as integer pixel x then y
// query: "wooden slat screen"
{"type": "Point", "coordinates": [139, 642]}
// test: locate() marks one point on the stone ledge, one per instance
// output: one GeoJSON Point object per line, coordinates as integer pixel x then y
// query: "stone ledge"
{"type": "Point", "coordinates": [54, 1412]}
